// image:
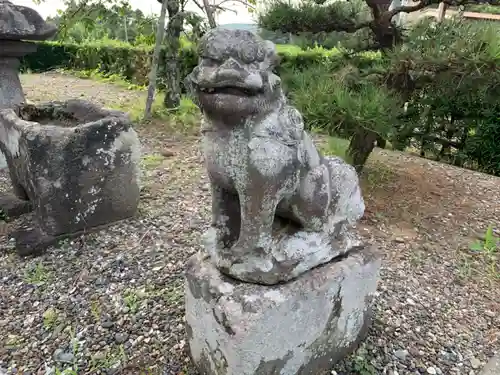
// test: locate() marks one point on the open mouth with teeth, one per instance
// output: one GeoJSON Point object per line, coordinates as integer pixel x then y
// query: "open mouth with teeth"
{"type": "Point", "coordinates": [229, 90]}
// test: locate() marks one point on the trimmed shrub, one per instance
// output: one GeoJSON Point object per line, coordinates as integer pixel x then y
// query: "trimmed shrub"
{"type": "Point", "coordinates": [130, 62]}
{"type": "Point", "coordinates": [133, 62]}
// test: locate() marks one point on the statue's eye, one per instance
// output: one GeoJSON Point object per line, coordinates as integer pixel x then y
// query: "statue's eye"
{"type": "Point", "coordinates": [248, 52]}
{"type": "Point", "coordinates": [260, 55]}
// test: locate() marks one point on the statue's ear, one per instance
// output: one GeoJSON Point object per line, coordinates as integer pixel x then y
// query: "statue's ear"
{"type": "Point", "coordinates": [190, 89]}
{"type": "Point", "coordinates": [271, 55]}
{"type": "Point", "coordinates": [277, 60]}
{"type": "Point", "coordinates": [188, 85]}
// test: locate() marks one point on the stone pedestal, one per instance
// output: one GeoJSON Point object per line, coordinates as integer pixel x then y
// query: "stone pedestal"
{"type": "Point", "coordinates": [11, 92]}
{"type": "Point", "coordinates": [301, 327]}
{"type": "Point", "coordinates": [12, 95]}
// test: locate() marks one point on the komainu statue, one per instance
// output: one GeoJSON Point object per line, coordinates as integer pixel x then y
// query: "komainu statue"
{"type": "Point", "coordinates": [277, 288]}
{"type": "Point", "coordinates": [279, 207]}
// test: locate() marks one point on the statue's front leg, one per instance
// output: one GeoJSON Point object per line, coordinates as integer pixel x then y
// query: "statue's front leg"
{"type": "Point", "coordinates": [257, 216]}
{"type": "Point", "coordinates": [272, 174]}
{"type": "Point", "coordinates": [225, 215]}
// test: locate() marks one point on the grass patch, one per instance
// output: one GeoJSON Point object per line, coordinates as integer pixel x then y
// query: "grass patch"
{"type": "Point", "coordinates": [95, 310]}
{"type": "Point", "coordinates": [336, 147]}
{"type": "Point", "coordinates": [50, 318]}
{"type": "Point", "coordinates": [359, 363]}
{"type": "Point", "coordinates": [37, 275]}
{"type": "Point", "coordinates": [133, 299]}
{"type": "Point", "coordinates": [171, 294]}
{"type": "Point", "coordinates": [487, 249]}
{"type": "Point", "coordinates": [152, 161]}
{"type": "Point", "coordinates": [489, 244]}
{"type": "Point", "coordinates": [13, 342]}
{"type": "Point", "coordinates": [480, 258]}
{"type": "Point", "coordinates": [174, 293]}
{"type": "Point", "coordinates": [465, 267]}
{"type": "Point", "coordinates": [374, 174]}
{"type": "Point", "coordinates": [106, 78]}
{"type": "Point", "coordinates": [184, 119]}
{"type": "Point", "coordinates": [110, 359]}
{"type": "Point", "coordinates": [68, 371]}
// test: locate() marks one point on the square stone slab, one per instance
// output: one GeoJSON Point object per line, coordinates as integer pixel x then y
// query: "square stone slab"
{"type": "Point", "coordinates": [301, 327]}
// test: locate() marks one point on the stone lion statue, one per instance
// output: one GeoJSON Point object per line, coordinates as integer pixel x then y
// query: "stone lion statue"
{"type": "Point", "coordinates": [279, 207]}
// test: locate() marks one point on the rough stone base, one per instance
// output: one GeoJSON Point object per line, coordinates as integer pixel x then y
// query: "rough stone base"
{"type": "Point", "coordinates": [301, 327]}
{"type": "Point", "coordinates": [34, 241]}
{"type": "Point", "coordinates": [14, 207]}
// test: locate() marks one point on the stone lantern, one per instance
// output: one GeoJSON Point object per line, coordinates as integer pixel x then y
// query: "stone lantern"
{"type": "Point", "coordinates": [19, 25]}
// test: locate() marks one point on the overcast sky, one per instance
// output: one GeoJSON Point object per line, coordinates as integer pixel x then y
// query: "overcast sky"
{"type": "Point", "coordinates": [49, 8]}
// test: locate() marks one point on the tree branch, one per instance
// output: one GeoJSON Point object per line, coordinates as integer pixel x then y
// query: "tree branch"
{"type": "Point", "coordinates": [406, 9]}
{"type": "Point", "coordinates": [425, 3]}
{"type": "Point", "coordinates": [245, 3]}
{"type": "Point", "coordinates": [199, 5]}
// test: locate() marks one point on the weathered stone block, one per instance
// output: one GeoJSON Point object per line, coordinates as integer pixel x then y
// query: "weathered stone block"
{"type": "Point", "coordinates": [301, 327]}
{"type": "Point", "coordinates": [77, 163]}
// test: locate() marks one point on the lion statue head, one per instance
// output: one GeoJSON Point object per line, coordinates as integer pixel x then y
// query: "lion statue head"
{"type": "Point", "coordinates": [234, 77]}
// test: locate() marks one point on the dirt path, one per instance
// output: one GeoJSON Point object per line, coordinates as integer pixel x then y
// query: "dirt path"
{"type": "Point", "coordinates": [54, 86]}
{"type": "Point", "coordinates": [118, 294]}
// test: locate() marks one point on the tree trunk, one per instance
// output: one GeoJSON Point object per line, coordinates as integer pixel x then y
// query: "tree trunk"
{"type": "Point", "coordinates": [210, 14]}
{"type": "Point", "coordinates": [361, 145]}
{"type": "Point", "coordinates": [427, 130]}
{"type": "Point", "coordinates": [449, 133]}
{"type": "Point", "coordinates": [154, 63]}
{"type": "Point", "coordinates": [441, 12]}
{"type": "Point", "coordinates": [381, 142]}
{"type": "Point", "coordinates": [172, 69]}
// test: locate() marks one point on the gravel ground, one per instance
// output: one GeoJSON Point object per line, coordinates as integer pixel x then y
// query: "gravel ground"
{"type": "Point", "coordinates": [112, 302]}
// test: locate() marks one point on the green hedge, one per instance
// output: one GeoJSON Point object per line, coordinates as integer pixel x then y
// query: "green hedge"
{"type": "Point", "coordinates": [133, 63]}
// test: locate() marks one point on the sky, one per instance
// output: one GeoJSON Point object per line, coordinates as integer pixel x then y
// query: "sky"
{"type": "Point", "coordinates": [49, 8]}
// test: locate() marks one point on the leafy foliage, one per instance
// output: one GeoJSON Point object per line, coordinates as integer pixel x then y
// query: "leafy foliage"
{"type": "Point", "coordinates": [490, 244]}
{"type": "Point", "coordinates": [332, 99]}
{"type": "Point", "coordinates": [450, 76]}
{"type": "Point", "coordinates": [446, 75]}
{"type": "Point", "coordinates": [483, 8]}
{"type": "Point", "coordinates": [86, 20]}
{"type": "Point", "coordinates": [310, 17]}
{"type": "Point", "coordinates": [359, 25]}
